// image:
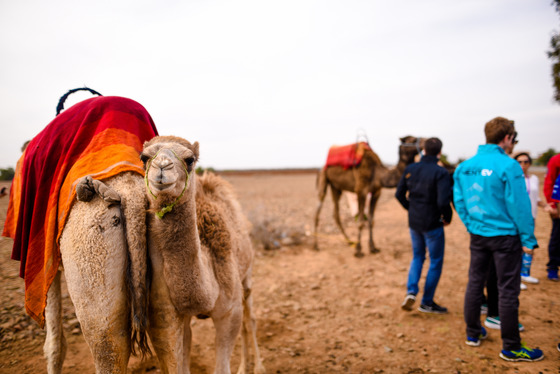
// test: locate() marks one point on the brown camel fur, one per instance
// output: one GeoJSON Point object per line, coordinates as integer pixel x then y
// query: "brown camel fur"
{"type": "Point", "coordinates": [201, 257]}
{"type": "Point", "coordinates": [368, 177]}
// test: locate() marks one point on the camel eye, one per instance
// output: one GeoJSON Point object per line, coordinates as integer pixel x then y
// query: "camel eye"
{"type": "Point", "coordinates": [189, 161]}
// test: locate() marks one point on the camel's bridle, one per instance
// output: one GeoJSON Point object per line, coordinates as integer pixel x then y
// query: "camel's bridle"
{"type": "Point", "coordinates": [168, 208]}
{"type": "Point", "coordinates": [415, 145]}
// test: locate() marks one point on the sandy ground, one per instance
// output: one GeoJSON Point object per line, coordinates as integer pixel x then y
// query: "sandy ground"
{"type": "Point", "coordinates": [326, 311]}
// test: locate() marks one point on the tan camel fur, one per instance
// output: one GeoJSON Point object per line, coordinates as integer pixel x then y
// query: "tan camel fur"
{"type": "Point", "coordinates": [201, 257]}
{"type": "Point", "coordinates": [370, 176]}
{"type": "Point", "coordinates": [104, 256]}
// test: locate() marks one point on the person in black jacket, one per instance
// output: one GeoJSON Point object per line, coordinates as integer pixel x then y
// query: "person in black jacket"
{"type": "Point", "coordinates": [429, 209]}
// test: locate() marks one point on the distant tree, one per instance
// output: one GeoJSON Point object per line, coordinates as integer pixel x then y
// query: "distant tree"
{"type": "Point", "coordinates": [7, 174]}
{"type": "Point", "coordinates": [554, 55]}
{"type": "Point", "coordinates": [443, 158]}
{"type": "Point", "coordinates": [200, 170]}
{"type": "Point", "coordinates": [544, 157]}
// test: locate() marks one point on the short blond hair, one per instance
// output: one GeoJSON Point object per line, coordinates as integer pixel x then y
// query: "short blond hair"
{"type": "Point", "coordinates": [497, 129]}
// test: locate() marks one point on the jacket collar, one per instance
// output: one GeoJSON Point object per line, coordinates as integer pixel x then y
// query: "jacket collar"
{"type": "Point", "coordinates": [429, 159]}
{"type": "Point", "coordinates": [490, 148]}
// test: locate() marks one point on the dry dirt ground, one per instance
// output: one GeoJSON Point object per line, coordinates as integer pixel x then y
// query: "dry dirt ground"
{"type": "Point", "coordinates": [326, 311]}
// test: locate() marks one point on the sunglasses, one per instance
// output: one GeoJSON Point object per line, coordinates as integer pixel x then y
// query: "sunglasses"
{"type": "Point", "coordinates": [514, 140]}
{"type": "Point", "coordinates": [523, 161]}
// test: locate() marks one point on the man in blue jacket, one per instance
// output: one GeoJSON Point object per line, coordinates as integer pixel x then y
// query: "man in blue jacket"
{"type": "Point", "coordinates": [428, 204]}
{"type": "Point", "coordinates": [492, 201]}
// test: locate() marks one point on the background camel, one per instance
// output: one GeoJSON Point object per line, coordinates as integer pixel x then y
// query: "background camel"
{"type": "Point", "coordinates": [99, 240]}
{"type": "Point", "coordinates": [369, 176]}
{"type": "Point", "coordinates": [201, 257]}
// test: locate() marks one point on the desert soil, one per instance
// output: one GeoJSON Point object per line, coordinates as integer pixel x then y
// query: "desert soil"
{"type": "Point", "coordinates": [326, 311]}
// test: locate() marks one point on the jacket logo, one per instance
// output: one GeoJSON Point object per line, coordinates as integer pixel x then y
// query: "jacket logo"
{"type": "Point", "coordinates": [486, 172]}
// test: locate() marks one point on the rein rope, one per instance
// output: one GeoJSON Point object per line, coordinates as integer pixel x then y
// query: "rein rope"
{"type": "Point", "coordinates": [168, 208]}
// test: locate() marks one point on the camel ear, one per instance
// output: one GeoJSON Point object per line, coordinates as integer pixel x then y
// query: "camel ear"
{"type": "Point", "coordinates": [195, 150]}
{"type": "Point", "coordinates": [403, 139]}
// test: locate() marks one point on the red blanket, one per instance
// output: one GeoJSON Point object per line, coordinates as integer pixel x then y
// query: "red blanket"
{"type": "Point", "coordinates": [102, 137]}
{"type": "Point", "coordinates": [346, 156]}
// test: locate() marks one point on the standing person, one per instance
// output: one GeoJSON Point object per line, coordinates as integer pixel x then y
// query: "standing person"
{"type": "Point", "coordinates": [429, 209]}
{"type": "Point", "coordinates": [492, 201]}
{"type": "Point", "coordinates": [532, 185]}
{"type": "Point", "coordinates": [553, 170]}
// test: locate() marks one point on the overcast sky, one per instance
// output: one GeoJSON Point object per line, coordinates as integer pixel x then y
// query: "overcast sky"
{"type": "Point", "coordinates": [273, 84]}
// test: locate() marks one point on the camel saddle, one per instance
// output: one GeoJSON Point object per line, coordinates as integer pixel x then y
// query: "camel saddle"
{"type": "Point", "coordinates": [347, 156]}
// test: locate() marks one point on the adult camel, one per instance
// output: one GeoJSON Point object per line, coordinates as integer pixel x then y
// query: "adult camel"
{"type": "Point", "coordinates": [368, 176]}
{"type": "Point", "coordinates": [95, 230]}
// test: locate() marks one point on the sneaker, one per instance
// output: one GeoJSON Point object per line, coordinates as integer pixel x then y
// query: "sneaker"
{"type": "Point", "coordinates": [475, 342]}
{"type": "Point", "coordinates": [484, 309]}
{"type": "Point", "coordinates": [522, 286]}
{"type": "Point", "coordinates": [433, 308]}
{"type": "Point", "coordinates": [495, 324]}
{"type": "Point", "coordinates": [523, 354]}
{"type": "Point", "coordinates": [553, 275]}
{"type": "Point", "coordinates": [408, 302]}
{"type": "Point", "coordinates": [529, 279]}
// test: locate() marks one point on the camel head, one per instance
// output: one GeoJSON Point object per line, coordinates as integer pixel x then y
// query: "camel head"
{"type": "Point", "coordinates": [169, 164]}
{"type": "Point", "coordinates": [410, 147]}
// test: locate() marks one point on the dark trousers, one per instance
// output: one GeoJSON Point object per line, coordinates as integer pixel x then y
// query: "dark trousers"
{"type": "Point", "coordinates": [506, 253]}
{"type": "Point", "coordinates": [492, 290]}
{"type": "Point", "coordinates": [554, 246]}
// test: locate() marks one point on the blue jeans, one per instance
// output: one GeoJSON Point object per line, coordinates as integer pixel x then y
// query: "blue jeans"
{"type": "Point", "coordinates": [435, 241]}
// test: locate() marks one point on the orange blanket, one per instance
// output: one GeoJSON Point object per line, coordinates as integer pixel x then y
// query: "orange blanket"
{"type": "Point", "coordinates": [346, 156]}
{"type": "Point", "coordinates": [101, 137]}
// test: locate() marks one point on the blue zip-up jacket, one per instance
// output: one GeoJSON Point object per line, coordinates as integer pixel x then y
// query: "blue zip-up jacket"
{"type": "Point", "coordinates": [491, 198]}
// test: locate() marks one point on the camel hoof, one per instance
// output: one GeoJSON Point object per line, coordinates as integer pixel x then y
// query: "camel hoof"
{"type": "Point", "coordinates": [374, 250]}
{"type": "Point", "coordinates": [316, 247]}
{"type": "Point", "coordinates": [359, 254]}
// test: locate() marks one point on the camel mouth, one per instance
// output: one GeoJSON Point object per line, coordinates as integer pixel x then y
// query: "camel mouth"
{"type": "Point", "coordinates": [159, 186]}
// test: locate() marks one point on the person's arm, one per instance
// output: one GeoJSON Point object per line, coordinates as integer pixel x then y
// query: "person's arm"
{"type": "Point", "coordinates": [518, 205]}
{"type": "Point", "coordinates": [458, 199]}
{"type": "Point", "coordinates": [444, 195]}
{"type": "Point", "coordinates": [401, 191]}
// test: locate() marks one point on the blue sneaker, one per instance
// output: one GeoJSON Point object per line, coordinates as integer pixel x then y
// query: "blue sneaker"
{"type": "Point", "coordinates": [523, 354]}
{"type": "Point", "coordinates": [475, 342]}
{"type": "Point", "coordinates": [553, 275]}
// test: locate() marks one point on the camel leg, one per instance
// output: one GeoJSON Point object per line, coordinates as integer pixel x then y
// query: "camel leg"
{"type": "Point", "coordinates": [372, 205]}
{"type": "Point", "coordinates": [55, 342]}
{"type": "Point", "coordinates": [249, 330]}
{"type": "Point", "coordinates": [322, 187]}
{"type": "Point", "coordinates": [169, 333]}
{"type": "Point", "coordinates": [94, 254]}
{"type": "Point", "coordinates": [336, 194]}
{"type": "Point", "coordinates": [362, 222]}
{"type": "Point", "coordinates": [227, 327]}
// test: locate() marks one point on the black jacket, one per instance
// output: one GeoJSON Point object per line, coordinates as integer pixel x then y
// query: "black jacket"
{"type": "Point", "coordinates": [429, 194]}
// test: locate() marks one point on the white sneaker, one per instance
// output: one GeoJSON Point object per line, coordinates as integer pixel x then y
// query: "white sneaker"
{"type": "Point", "coordinates": [529, 279]}
{"type": "Point", "coordinates": [523, 286]}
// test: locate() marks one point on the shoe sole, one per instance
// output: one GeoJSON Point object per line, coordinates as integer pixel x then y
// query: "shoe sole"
{"type": "Point", "coordinates": [473, 344]}
{"type": "Point", "coordinates": [408, 303]}
{"type": "Point", "coordinates": [517, 359]}
{"type": "Point", "coordinates": [492, 326]}
{"type": "Point", "coordinates": [430, 311]}
{"type": "Point", "coordinates": [530, 281]}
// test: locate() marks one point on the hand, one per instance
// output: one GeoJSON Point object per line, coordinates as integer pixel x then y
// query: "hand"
{"type": "Point", "coordinates": [528, 250]}
{"type": "Point", "coordinates": [553, 211]}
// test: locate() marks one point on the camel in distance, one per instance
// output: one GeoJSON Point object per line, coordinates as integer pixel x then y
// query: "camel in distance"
{"type": "Point", "coordinates": [201, 258]}
{"type": "Point", "coordinates": [363, 174]}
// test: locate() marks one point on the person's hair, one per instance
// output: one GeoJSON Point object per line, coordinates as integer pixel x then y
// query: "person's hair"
{"type": "Point", "coordinates": [432, 147]}
{"type": "Point", "coordinates": [497, 129]}
{"type": "Point", "coordinates": [524, 154]}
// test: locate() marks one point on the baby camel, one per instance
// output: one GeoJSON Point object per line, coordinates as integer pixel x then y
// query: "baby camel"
{"type": "Point", "coordinates": [201, 257]}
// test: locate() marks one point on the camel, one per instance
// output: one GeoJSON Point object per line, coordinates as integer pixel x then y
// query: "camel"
{"type": "Point", "coordinates": [369, 176]}
{"type": "Point", "coordinates": [102, 244]}
{"type": "Point", "coordinates": [201, 258]}
{"type": "Point", "coordinates": [103, 251]}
